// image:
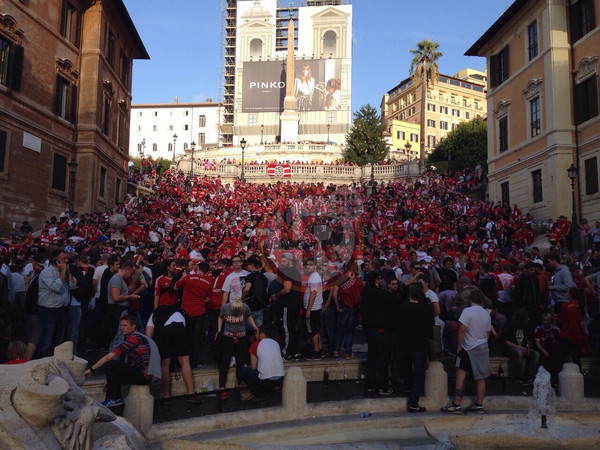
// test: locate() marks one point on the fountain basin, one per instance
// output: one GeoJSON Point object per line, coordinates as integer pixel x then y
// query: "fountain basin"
{"type": "Point", "coordinates": [502, 431]}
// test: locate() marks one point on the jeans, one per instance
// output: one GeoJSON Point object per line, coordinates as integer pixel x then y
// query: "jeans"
{"type": "Point", "coordinates": [415, 363]}
{"type": "Point", "coordinates": [290, 320]}
{"type": "Point", "coordinates": [345, 329]}
{"type": "Point", "coordinates": [378, 357]}
{"type": "Point", "coordinates": [119, 373]}
{"type": "Point", "coordinates": [195, 330]}
{"type": "Point", "coordinates": [74, 320]}
{"type": "Point", "coordinates": [329, 320]}
{"type": "Point", "coordinates": [231, 348]}
{"type": "Point", "coordinates": [516, 367]}
{"type": "Point", "coordinates": [54, 325]}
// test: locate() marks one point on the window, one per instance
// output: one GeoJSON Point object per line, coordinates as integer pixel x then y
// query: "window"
{"type": "Point", "coordinates": [122, 133]}
{"type": "Point", "coordinates": [454, 126]}
{"type": "Point", "coordinates": [65, 99]}
{"type": "Point", "coordinates": [139, 128]}
{"type": "Point", "coordinates": [411, 110]}
{"type": "Point", "coordinates": [400, 135]}
{"type": "Point", "coordinates": [430, 107]}
{"type": "Point", "coordinates": [403, 115]}
{"type": "Point", "coordinates": [456, 112]}
{"type": "Point", "coordinates": [154, 128]}
{"type": "Point", "coordinates": [430, 141]}
{"type": "Point", "coordinates": [443, 125]}
{"type": "Point", "coordinates": [106, 117]}
{"type": "Point", "coordinates": [329, 43]}
{"type": "Point", "coordinates": [170, 147]}
{"type": "Point", "coordinates": [585, 99]}
{"type": "Point", "coordinates": [3, 141]}
{"type": "Point", "coordinates": [443, 110]}
{"type": "Point", "coordinates": [591, 175]}
{"type": "Point", "coordinates": [330, 118]}
{"type": "Point", "coordinates": [453, 100]}
{"type": "Point", "coordinates": [499, 67]}
{"type": "Point", "coordinates": [154, 147]}
{"type": "Point", "coordinates": [414, 137]}
{"type": "Point", "coordinates": [102, 182]}
{"type": "Point", "coordinates": [505, 193]}
{"type": "Point", "coordinates": [186, 113]}
{"type": "Point", "coordinates": [465, 103]}
{"type": "Point", "coordinates": [476, 105]}
{"type": "Point", "coordinates": [431, 123]}
{"type": "Point", "coordinates": [503, 134]}
{"type": "Point", "coordinates": [201, 138]}
{"type": "Point", "coordinates": [11, 64]}
{"type": "Point", "coordinates": [110, 49]}
{"type": "Point", "coordinates": [536, 178]}
{"type": "Point", "coordinates": [536, 123]}
{"type": "Point", "coordinates": [186, 128]}
{"type": "Point", "coordinates": [532, 33]}
{"type": "Point", "coordinates": [59, 172]}
{"type": "Point", "coordinates": [139, 113]}
{"type": "Point", "coordinates": [252, 119]}
{"type": "Point", "coordinates": [256, 48]}
{"type": "Point", "coordinates": [202, 121]}
{"type": "Point", "coordinates": [155, 113]}
{"type": "Point", "coordinates": [582, 19]}
{"type": "Point", "coordinates": [70, 24]}
{"type": "Point", "coordinates": [124, 67]}
{"type": "Point", "coordinates": [117, 190]}
{"type": "Point", "coordinates": [170, 128]}
{"type": "Point", "coordinates": [467, 115]}
{"type": "Point", "coordinates": [441, 97]}
{"type": "Point", "coordinates": [429, 95]}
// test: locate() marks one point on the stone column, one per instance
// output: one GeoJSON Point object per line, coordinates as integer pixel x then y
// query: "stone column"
{"type": "Point", "coordinates": [139, 407]}
{"type": "Point", "coordinates": [436, 385]}
{"type": "Point", "coordinates": [294, 392]}
{"type": "Point", "coordinates": [570, 383]}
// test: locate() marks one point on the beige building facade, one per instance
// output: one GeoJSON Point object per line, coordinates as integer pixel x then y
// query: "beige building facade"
{"type": "Point", "coordinates": [450, 101]}
{"type": "Point", "coordinates": [543, 101]}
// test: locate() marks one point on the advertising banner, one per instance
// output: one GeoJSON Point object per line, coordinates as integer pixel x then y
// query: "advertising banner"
{"type": "Point", "coordinates": [317, 85]}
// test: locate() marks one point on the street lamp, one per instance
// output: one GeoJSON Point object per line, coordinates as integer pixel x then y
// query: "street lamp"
{"type": "Point", "coordinates": [407, 146]}
{"type": "Point", "coordinates": [72, 171]}
{"type": "Point", "coordinates": [193, 146]}
{"type": "Point", "coordinates": [262, 131]}
{"type": "Point", "coordinates": [572, 172]}
{"type": "Point", "coordinates": [174, 140]}
{"type": "Point", "coordinates": [328, 126]}
{"type": "Point", "coordinates": [243, 145]}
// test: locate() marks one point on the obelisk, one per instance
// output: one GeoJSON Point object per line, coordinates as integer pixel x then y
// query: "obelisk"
{"type": "Point", "coordinates": [289, 117]}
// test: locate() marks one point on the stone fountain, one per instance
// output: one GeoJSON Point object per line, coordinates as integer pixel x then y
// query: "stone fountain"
{"type": "Point", "coordinates": [541, 428]}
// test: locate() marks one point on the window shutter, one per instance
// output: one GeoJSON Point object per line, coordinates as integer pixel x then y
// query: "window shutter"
{"type": "Point", "coordinates": [591, 176]}
{"type": "Point", "coordinates": [592, 96]}
{"type": "Point", "coordinates": [506, 65]}
{"type": "Point", "coordinates": [73, 92]}
{"type": "Point", "coordinates": [3, 138]}
{"type": "Point", "coordinates": [15, 67]}
{"type": "Point", "coordinates": [494, 70]}
{"type": "Point", "coordinates": [77, 37]}
{"type": "Point", "coordinates": [58, 95]}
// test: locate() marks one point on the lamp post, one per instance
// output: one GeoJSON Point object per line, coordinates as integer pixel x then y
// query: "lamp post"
{"type": "Point", "coordinates": [572, 172]}
{"type": "Point", "coordinates": [372, 153]}
{"type": "Point", "coordinates": [174, 140]}
{"type": "Point", "coordinates": [328, 126]}
{"type": "Point", "coordinates": [72, 171]}
{"type": "Point", "coordinates": [262, 132]}
{"type": "Point", "coordinates": [243, 145]}
{"type": "Point", "coordinates": [193, 147]}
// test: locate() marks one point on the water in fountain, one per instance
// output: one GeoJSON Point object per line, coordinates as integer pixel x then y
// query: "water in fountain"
{"type": "Point", "coordinates": [544, 401]}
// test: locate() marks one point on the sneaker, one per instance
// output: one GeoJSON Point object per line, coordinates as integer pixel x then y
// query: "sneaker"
{"type": "Point", "coordinates": [451, 408]}
{"type": "Point", "coordinates": [314, 356]}
{"type": "Point", "coordinates": [296, 357]}
{"type": "Point", "coordinates": [232, 362]}
{"type": "Point", "coordinates": [110, 403]}
{"type": "Point", "coordinates": [474, 407]}
{"type": "Point", "coordinates": [335, 355]}
{"type": "Point", "coordinates": [224, 395]}
{"type": "Point", "coordinates": [385, 392]}
{"type": "Point", "coordinates": [416, 409]}
{"type": "Point", "coordinates": [322, 354]}
{"type": "Point", "coordinates": [286, 358]}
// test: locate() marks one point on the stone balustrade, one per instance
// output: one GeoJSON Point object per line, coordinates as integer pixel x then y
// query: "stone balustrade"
{"type": "Point", "coordinates": [305, 173]}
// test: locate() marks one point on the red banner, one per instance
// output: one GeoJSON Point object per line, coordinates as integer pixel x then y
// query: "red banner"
{"type": "Point", "coordinates": [279, 170]}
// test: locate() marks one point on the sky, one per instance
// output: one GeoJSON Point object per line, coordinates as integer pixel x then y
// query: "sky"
{"type": "Point", "coordinates": [183, 37]}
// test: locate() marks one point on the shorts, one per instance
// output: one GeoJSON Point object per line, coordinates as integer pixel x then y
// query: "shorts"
{"type": "Point", "coordinates": [173, 341]}
{"type": "Point", "coordinates": [475, 361]}
{"type": "Point", "coordinates": [313, 325]}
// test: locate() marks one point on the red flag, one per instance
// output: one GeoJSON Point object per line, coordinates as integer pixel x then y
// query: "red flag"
{"type": "Point", "coordinates": [279, 170]}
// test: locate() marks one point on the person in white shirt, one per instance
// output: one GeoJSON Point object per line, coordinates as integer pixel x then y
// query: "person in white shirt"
{"type": "Point", "coordinates": [234, 283]}
{"type": "Point", "coordinates": [313, 303]}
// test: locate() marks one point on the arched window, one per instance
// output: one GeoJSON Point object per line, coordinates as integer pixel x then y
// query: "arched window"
{"type": "Point", "coordinates": [202, 121]}
{"type": "Point", "coordinates": [256, 46]}
{"type": "Point", "coordinates": [329, 43]}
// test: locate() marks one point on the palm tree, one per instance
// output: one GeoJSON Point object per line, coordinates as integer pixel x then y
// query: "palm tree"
{"type": "Point", "coordinates": [424, 68]}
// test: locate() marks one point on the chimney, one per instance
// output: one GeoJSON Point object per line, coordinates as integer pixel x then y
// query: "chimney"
{"type": "Point", "coordinates": [177, 100]}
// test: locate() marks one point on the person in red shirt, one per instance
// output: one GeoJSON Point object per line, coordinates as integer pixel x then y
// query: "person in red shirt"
{"type": "Point", "coordinates": [164, 289]}
{"type": "Point", "coordinates": [571, 335]}
{"type": "Point", "coordinates": [197, 288]}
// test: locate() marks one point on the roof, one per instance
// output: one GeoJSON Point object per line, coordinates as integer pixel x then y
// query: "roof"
{"type": "Point", "coordinates": [496, 27]}
{"type": "Point", "coordinates": [137, 40]}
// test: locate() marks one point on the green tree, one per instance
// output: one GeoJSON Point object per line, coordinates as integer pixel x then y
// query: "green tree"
{"type": "Point", "coordinates": [424, 68]}
{"type": "Point", "coordinates": [366, 129]}
{"type": "Point", "coordinates": [465, 146]}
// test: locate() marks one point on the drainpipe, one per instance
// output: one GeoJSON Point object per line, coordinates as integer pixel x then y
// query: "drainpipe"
{"type": "Point", "coordinates": [572, 54]}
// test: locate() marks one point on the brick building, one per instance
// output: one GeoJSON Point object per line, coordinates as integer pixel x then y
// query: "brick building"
{"type": "Point", "coordinates": [65, 98]}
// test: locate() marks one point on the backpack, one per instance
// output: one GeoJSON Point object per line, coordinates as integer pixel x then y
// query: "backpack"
{"type": "Point", "coordinates": [257, 299]}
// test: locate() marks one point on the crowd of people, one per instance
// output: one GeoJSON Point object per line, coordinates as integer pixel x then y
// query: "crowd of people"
{"type": "Point", "coordinates": [209, 270]}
